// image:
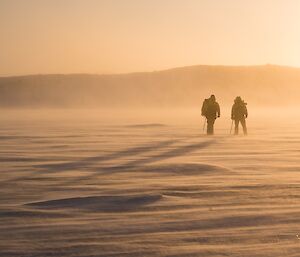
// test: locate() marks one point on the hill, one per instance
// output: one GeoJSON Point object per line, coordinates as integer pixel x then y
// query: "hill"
{"type": "Point", "coordinates": [186, 86]}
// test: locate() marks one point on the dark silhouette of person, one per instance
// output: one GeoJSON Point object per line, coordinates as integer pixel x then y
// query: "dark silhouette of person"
{"type": "Point", "coordinates": [211, 110]}
{"type": "Point", "coordinates": [239, 113]}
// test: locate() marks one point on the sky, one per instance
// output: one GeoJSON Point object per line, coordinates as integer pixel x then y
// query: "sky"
{"type": "Point", "coordinates": [121, 36]}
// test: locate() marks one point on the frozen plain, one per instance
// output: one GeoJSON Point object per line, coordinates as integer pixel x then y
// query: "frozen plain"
{"type": "Point", "coordinates": [149, 188]}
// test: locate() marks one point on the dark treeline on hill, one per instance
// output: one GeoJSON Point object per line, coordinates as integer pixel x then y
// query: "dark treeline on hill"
{"type": "Point", "coordinates": [180, 87]}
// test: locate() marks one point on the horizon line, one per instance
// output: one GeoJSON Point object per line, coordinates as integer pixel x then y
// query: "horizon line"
{"type": "Point", "coordinates": [153, 71]}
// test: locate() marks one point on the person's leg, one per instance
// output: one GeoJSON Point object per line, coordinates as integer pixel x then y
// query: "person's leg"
{"type": "Point", "coordinates": [236, 127]}
{"type": "Point", "coordinates": [243, 122]}
{"type": "Point", "coordinates": [210, 126]}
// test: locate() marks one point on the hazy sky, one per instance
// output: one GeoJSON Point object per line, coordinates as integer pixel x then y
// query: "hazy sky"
{"type": "Point", "coordinates": [113, 36]}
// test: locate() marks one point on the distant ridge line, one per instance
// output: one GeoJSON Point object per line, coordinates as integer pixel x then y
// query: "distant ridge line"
{"type": "Point", "coordinates": [155, 71]}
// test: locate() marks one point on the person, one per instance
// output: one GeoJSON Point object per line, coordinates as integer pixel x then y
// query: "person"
{"type": "Point", "coordinates": [239, 113]}
{"type": "Point", "coordinates": [210, 110]}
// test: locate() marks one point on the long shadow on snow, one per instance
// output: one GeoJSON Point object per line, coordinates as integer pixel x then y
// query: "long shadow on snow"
{"type": "Point", "coordinates": [183, 150]}
{"type": "Point", "coordinates": [86, 162]}
{"type": "Point", "coordinates": [132, 165]}
{"type": "Point", "coordinates": [95, 159]}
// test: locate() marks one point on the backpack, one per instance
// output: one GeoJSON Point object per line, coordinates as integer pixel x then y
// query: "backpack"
{"type": "Point", "coordinates": [205, 106]}
{"type": "Point", "coordinates": [240, 109]}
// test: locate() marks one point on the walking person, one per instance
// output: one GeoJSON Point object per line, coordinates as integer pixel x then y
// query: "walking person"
{"type": "Point", "coordinates": [239, 113]}
{"type": "Point", "coordinates": [211, 111]}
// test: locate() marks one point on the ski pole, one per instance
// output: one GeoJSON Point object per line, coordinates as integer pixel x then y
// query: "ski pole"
{"type": "Point", "coordinates": [204, 124]}
{"type": "Point", "coordinates": [231, 126]}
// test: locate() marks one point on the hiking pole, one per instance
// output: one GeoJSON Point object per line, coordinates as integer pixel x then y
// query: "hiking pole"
{"type": "Point", "coordinates": [231, 126]}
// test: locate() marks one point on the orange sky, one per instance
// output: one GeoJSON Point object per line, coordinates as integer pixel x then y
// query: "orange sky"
{"type": "Point", "coordinates": [116, 36]}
